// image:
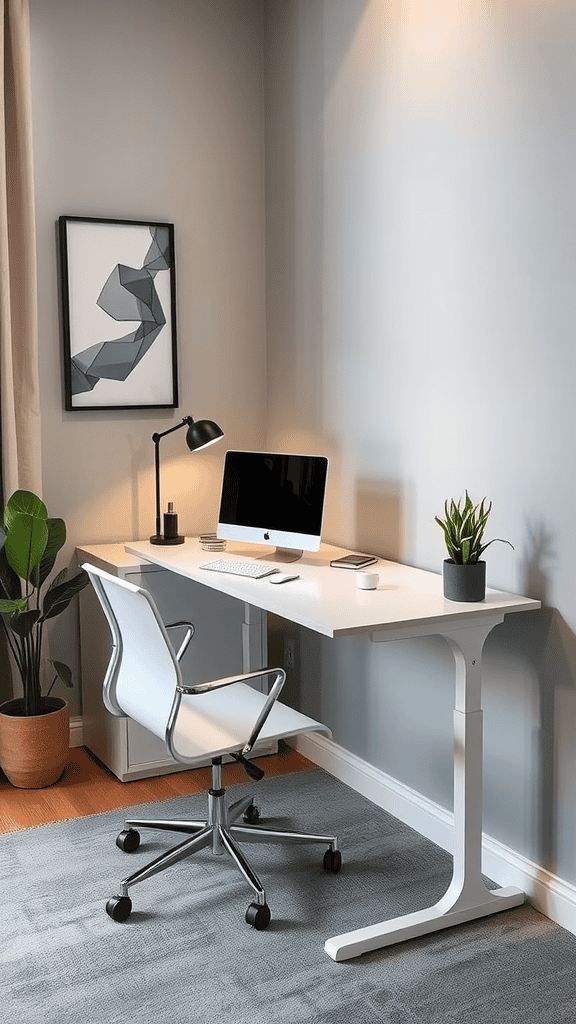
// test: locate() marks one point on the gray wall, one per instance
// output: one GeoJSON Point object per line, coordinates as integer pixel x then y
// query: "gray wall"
{"type": "Point", "coordinates": [146, 110]}
{"type": "Point", "coordinates": [420, 322]}
{"type": "Point", "coordinates": [419, 314]}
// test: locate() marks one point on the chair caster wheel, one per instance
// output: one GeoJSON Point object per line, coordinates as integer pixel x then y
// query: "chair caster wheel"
{"type": "Point", "coordinates": [332, 861]}
{"type": "Point", "coordinates": [251, 815]}
{"type": "Point", "coordinates": [258, 916]}
{"type": "Point", "coordinates": [128, 840]}
{"type": "Point", "coordinates": [119, 907]}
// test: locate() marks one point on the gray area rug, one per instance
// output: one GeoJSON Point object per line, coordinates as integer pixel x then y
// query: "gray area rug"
{"type": "Point", "coordinates": [186, 954]}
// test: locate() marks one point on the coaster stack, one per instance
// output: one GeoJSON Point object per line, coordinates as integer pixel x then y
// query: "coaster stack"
{"type": "Point", "coordinates": [210, 542]}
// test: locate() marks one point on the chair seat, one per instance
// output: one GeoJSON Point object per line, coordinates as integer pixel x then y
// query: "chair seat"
{"type": "Point", "coordinates": [215, 723]}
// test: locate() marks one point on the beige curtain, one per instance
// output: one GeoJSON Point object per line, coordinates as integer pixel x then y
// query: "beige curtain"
{"type": "Point", "coordinates": [19, 387]}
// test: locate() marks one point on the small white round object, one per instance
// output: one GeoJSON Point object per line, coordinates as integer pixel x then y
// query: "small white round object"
{"type": "Point", "coordinates": [367, 580]}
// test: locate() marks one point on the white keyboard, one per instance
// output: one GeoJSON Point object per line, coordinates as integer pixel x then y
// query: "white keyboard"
{"type": "Point", "coordinates": [255, 570]}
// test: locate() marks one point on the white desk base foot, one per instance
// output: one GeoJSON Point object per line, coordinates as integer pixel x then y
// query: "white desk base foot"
{"type": "Point", "coordinates": [410, 926]}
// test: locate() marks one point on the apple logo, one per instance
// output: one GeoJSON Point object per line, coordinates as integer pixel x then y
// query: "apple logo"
{"type": "Point", "coordinates": [266, 536]}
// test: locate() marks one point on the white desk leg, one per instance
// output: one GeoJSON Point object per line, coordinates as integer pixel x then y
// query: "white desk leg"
{"type": "Point", "coordinates": [467, 897]}
{"type": "Point", "coordinates": [254, 639]}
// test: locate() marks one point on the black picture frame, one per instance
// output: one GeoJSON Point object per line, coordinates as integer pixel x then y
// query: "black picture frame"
{"type": "Point", "coordinates": [115, 272]}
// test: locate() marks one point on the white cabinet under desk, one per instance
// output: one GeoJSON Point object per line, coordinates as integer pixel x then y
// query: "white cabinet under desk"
{"type": "Point", "coordinates": [229, 637]}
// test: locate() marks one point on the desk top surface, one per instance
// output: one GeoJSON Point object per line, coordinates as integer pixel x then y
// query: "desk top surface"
{"type": "Point", "coordinates": [326, 599]}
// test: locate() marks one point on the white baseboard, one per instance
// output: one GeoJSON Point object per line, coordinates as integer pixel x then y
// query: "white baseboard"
{"type": "Point", "coordinates": [76, 732]}
{"type": "Point", "coordinates": [548, 893]}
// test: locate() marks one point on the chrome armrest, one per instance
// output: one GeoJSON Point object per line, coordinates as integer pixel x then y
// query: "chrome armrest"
{"type": "Point", "coordinates": [272, 695]}
{"type": "Point", "coordinates": [215, 684]}
{"type": "Point", "coordinates": [189, 634]}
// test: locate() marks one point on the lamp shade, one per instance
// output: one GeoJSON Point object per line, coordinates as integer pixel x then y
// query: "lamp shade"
{"type": "Point", "coordinates": [202, 433]}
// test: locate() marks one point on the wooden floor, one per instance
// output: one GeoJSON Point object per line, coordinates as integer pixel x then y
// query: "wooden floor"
{"type": "Point", "coordinates": [87, 787]}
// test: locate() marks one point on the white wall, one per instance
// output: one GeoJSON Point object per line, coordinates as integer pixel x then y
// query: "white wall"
{"type": "Point", "coordinates": [421, 209]}
{"type": "Point", "coordinates": [146, 110]}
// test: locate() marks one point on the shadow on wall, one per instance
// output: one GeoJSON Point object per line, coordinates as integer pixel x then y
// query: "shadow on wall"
{"type": "Point", "coordinates": [556, 667]}
{"type": "Point", "coordinates": [141, 462]}
{"type": "Point", "coordinates": [309, 48]}
{"type": "Point", "coordinates": [550, 643]}
{"type": "Point", "coordinates": [538, 553]}
{"type": "Point", "coordinates": [379, 518]}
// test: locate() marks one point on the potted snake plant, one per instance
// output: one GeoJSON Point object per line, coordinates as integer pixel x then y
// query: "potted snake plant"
{"type": "Point", "coordinates": [464, 571]}
{"type": "Point", "coordinates": [34, 728]}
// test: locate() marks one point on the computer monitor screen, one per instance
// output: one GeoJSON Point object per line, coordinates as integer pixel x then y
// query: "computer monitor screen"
{"type": "Point", "coordinates": [273, 499]}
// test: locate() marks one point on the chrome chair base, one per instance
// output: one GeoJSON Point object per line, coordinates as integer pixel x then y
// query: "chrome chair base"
{"type": "Point", "coordinates": [220, 833]}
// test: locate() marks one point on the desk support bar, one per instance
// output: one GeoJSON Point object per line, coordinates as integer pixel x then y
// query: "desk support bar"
{"type": "Point", "coordinates": [467, 897]}
{"type": "Point", "coordinates": [254, 639]}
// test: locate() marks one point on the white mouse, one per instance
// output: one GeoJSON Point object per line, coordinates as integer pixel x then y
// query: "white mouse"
{"type": "Point", "coordinates": [283, 577]}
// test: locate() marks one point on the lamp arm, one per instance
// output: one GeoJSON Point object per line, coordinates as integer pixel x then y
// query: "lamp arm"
{"type": "Point", "coordinates": [186, 420]}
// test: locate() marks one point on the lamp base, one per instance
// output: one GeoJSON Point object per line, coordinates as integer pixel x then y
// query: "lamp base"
{"type": "Point", "coordinates": [159, 539]}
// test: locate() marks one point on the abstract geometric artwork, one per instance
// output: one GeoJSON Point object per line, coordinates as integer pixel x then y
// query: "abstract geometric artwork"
{"type": "Point", "coordinates": [117, 275]}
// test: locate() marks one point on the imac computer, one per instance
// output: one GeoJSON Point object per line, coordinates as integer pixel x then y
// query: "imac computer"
{"type": "Point", "coordinates": [275, 499]}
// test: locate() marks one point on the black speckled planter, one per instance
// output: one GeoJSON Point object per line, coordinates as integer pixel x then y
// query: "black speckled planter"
{"type": "Point", "coordinates": [464, 582]}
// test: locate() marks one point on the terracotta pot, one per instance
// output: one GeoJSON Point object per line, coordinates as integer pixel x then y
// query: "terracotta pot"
{"type": "Point", "coordinates": [34, 749]}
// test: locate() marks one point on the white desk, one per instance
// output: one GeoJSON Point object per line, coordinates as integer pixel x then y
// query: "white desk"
{"type": "Point", "coordinates": [408, 603]}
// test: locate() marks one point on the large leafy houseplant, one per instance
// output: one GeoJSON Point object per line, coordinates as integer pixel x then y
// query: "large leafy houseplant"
{"type": "Point", "coordinates": [464, 530]}
{"type": "Point", "coordinates": [29, 544]}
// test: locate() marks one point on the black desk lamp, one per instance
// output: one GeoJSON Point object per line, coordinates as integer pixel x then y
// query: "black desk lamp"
{"type": "Point", "coordinates": [199, 435]}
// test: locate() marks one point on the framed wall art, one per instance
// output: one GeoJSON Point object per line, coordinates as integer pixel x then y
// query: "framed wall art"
{"type": "Point", "coordinates": [118, 294]}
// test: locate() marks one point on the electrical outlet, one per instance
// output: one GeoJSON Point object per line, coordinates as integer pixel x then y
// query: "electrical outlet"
{"type": "Point", "coordinates": [288, 653]}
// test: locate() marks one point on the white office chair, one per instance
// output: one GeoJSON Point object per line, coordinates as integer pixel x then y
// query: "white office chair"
{"type": "Point", "coordinates": [197, 723]}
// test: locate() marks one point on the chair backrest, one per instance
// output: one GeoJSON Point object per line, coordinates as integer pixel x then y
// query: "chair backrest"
{"type": "Point", "coordinates": [143, 671]}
